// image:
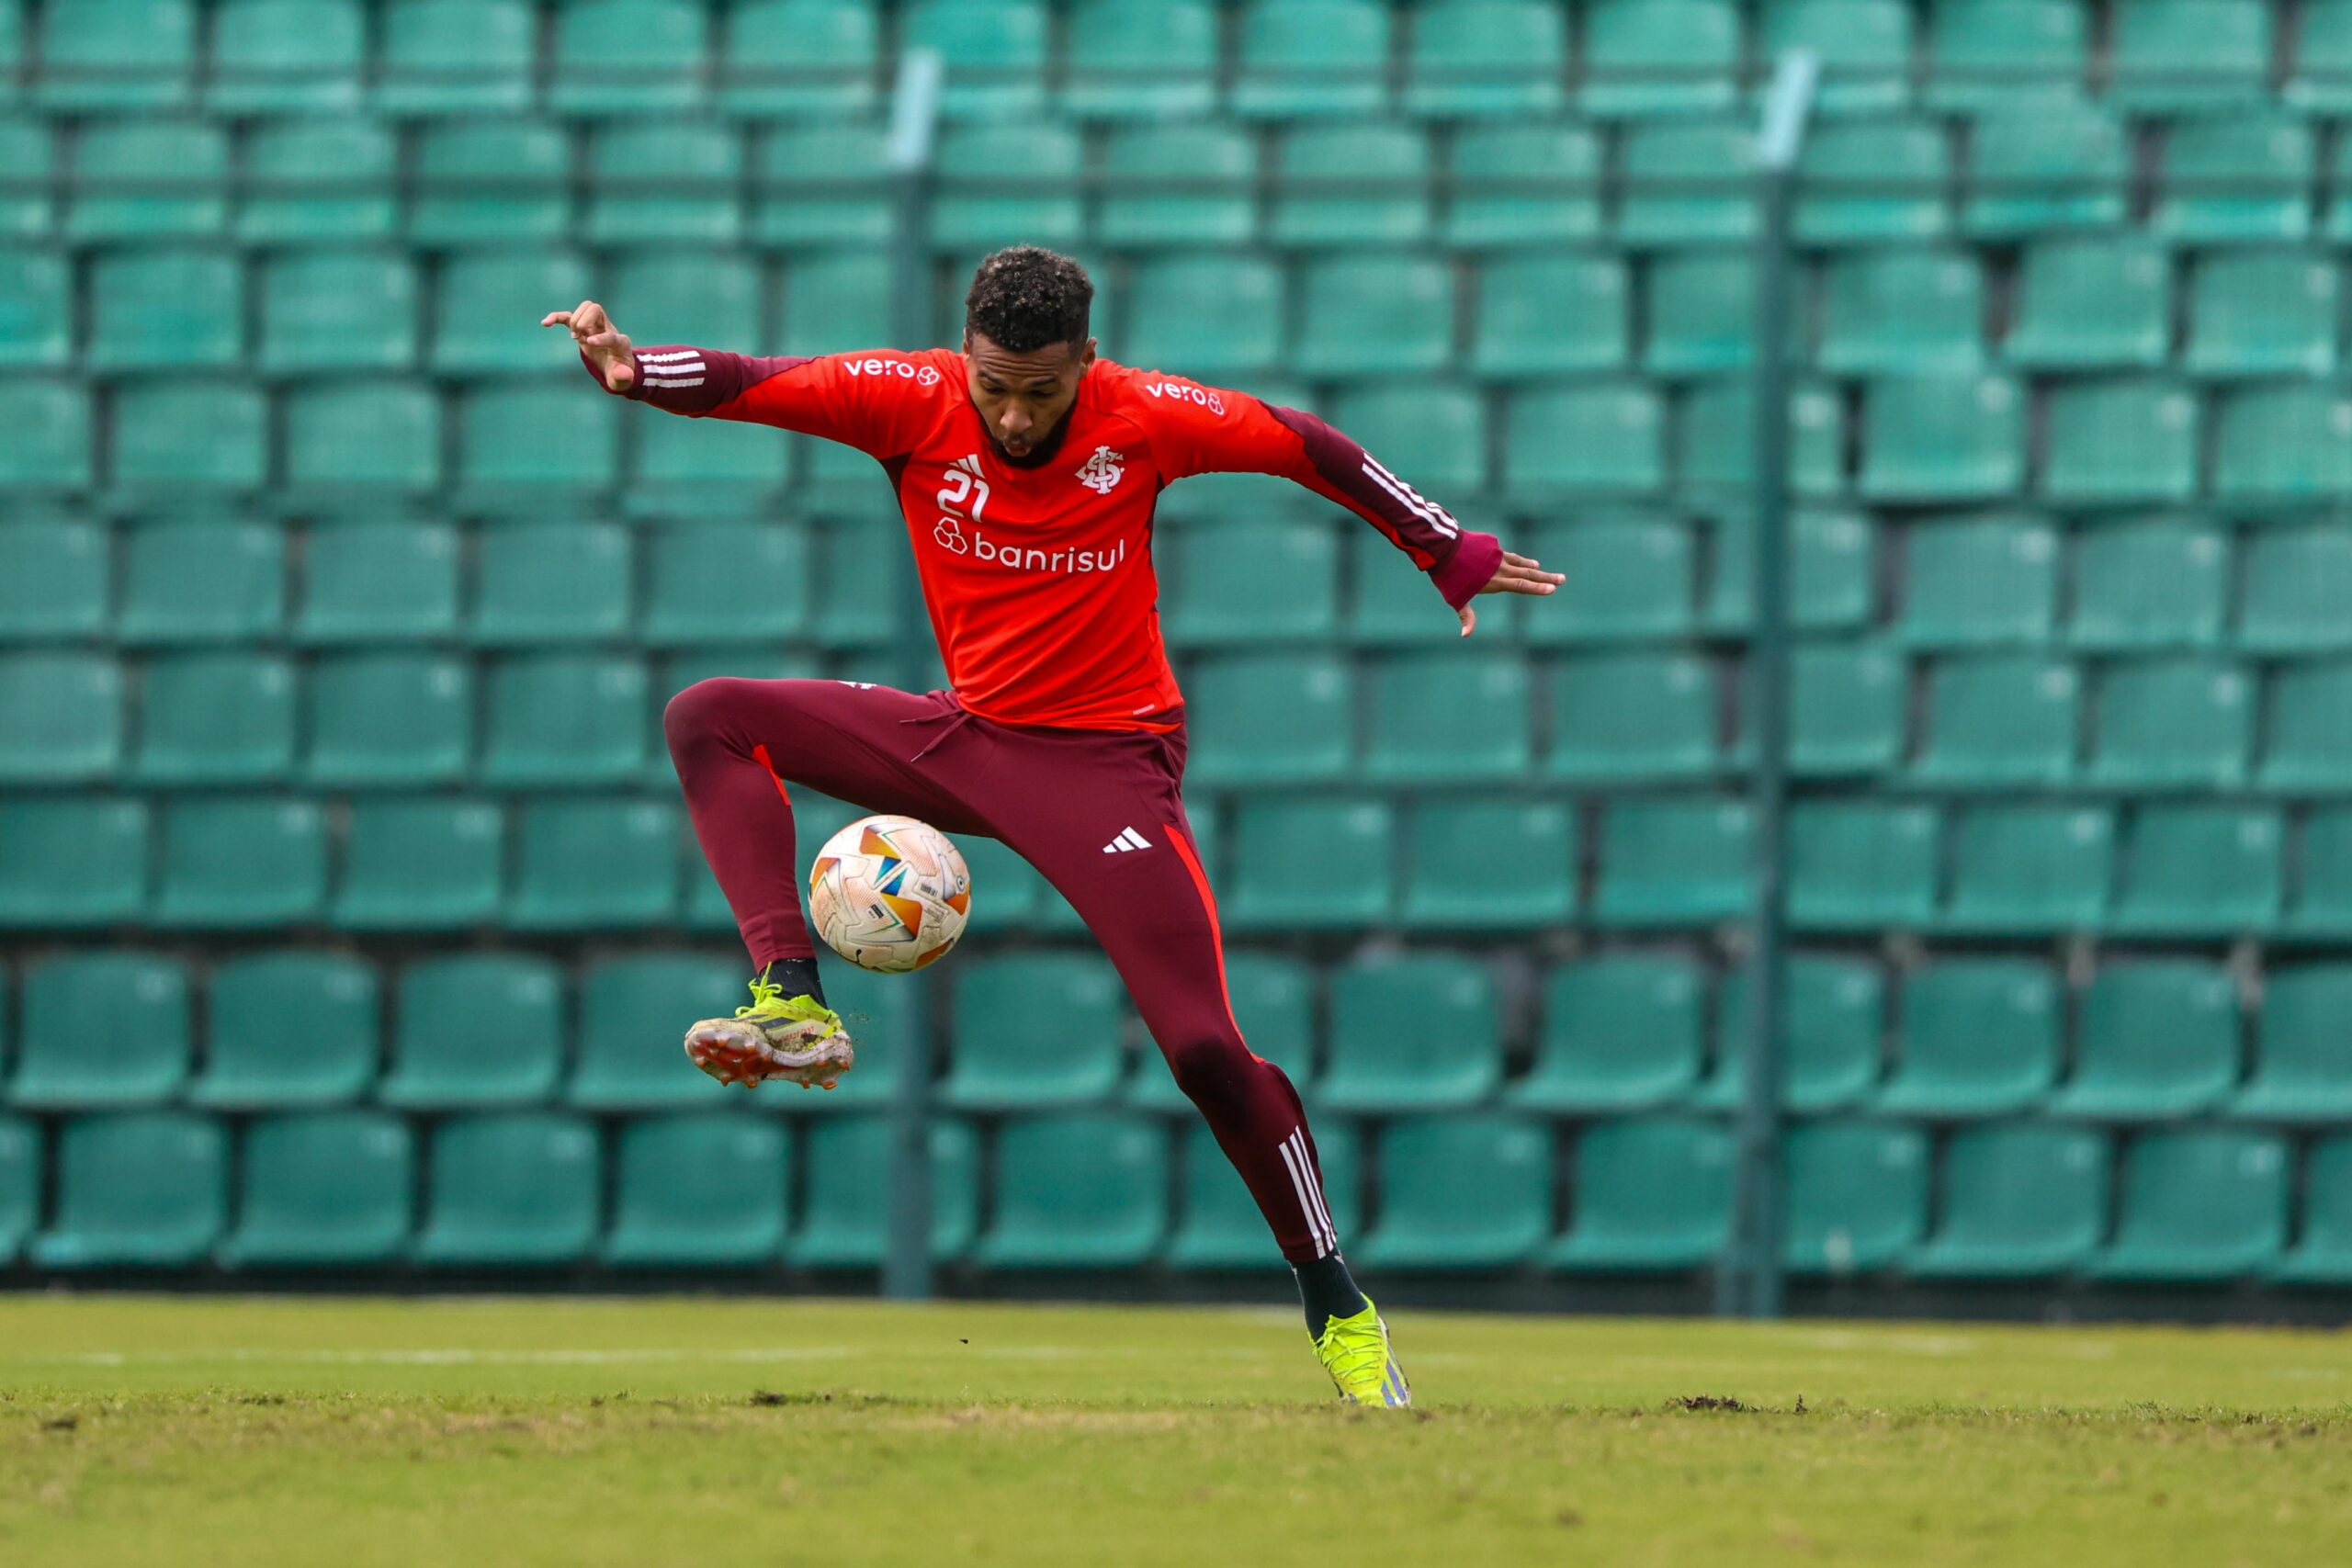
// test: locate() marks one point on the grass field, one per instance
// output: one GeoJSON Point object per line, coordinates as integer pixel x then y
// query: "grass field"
{"type": "Point", "coordinates": [349, 1432]}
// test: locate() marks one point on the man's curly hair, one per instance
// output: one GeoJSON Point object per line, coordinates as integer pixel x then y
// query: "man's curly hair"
{"type": "Point", "coordinates": [1026, 296]}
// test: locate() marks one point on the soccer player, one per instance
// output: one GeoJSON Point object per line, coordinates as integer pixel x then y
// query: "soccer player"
{"type": "Point", "coordinates": [1028, 470]}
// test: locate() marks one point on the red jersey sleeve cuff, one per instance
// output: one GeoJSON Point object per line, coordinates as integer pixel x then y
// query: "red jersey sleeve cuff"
{"type": "Point", "coordinates": [1470, 567]}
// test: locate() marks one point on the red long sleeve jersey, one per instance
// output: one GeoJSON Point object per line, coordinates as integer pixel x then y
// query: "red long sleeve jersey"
{"type": "Point", "coordinates": [1039, 580]}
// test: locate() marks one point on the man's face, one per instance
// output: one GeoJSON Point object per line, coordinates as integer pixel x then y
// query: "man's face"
{"type": "Point", "coordinates": [1022, 397]}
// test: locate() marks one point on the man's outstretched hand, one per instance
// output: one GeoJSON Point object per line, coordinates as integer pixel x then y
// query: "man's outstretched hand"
{"type": "Point", "coordinates": [600, 341]}
{"type": "Point", "coordinates": [1518, 574]}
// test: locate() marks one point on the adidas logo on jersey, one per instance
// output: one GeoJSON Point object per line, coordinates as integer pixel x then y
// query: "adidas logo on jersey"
{"type": "Point", "coordinates": [1127, 841]}
{"type": "Point", "coordinates": [1102, 470]}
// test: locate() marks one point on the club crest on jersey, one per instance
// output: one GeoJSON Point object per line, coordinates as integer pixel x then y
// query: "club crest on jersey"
{"type": "Point", "coordinates": [1101, 471]}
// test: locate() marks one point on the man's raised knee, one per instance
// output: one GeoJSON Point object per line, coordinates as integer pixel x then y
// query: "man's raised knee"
{"type": "Point", "coordinates": [697, 716]}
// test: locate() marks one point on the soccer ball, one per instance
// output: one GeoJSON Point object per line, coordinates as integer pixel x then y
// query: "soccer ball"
{"type": "Point", "coordinates": [889, 894]}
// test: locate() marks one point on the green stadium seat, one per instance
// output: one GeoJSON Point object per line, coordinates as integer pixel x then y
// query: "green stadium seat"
{"type": "Point", "coordinates": [558, 720]}
{"type": "Point", "coordinates": [1601, 437]}
{"type": "Point", "coordinates": [1864, 47]}
{"type": "Point", "coordinates": [1715, 443]}
{"type": "Point", "coordinates": [1179, 185]}
{"type": "Point", "coordinates": [53, 579]}
{"type": "Point", "coordinates": [1855, 865]}
{"type": "Point", "coordinates": [695, 563]}
{"type": "Point", "coordinates": [1030, 175]}
{"type": "Point", "coordinates": [1273, 1002]}
{"type": "Point", "coordinates": [1973, 1037]}
{"type": "Point", "coordinates": [1140, 60]}
{"type": "Point", "coordinates": [2021, 1199]}
{"type": "Point", "coordinates": [1901, 311]}
{"type": "Point", "coordinates": [2158, 1039]}
{"type": "Point", "coordinates": [2062, 166]}
{"type": "Point", "coordinates": [1375, 316]}
{"type": "Point", "coordinates": [799, 58]}
{"type": "Point", "coordinates": [494, 181]}
{"type": "Point", "coordinates": [1657, 58]}
{"type": "Point", "coordinates": [633, 1013]}
{"type": "Point", "coordinates": [819, 185]}
{"type": "Point", "coordinates": [2184, 56]}
{"type": "Point", "coordinates": [19, 1185]}
{"type": "Point", "coordinates": [1979, 581]}
{"type": "Point", "coordinates": [1621, 1032]}
{"type": "Point", "coordinates": [1468, 1191]}
{"type": "Point", "coordinates": [688, 298]}
{"type": "Point", "coordinates": [488, 308]}
{"type": "Point", "coordinates": [2319, 77]}
{"type": "Point", "coordinates": [1455, 717]}
{"type": "Point", "coordinates": [2022, 868]}
{"type": "Point", "coordinates": [324, 1189]}
{"type": "Point", "coordinates": [2203, 870]}
{"type": "Point", "coordinates": [2321, 900]}
{"type": "Point", "coordinates": [2121, 441]}
{"type": "Point", "coordinates": [2263, 313]}
{"type": "Point", "coordinates": [476, 1030]}
{"type": "Point", "coordinates": [1673, 863]}
{"type": "Point", "coordinates": [2322, 1253]}
{"type": "Point", "coordinates": [145, 1189]}
{"type": "Point", "coordinates": [1486, 58]}
{"type": "Point", "coordinates": [60, 717]}
{"type": "Point", "coordinates": [836, 302]}
{"type": "Point", "coordinates": [2283, 442]}
{"type": "Point", "coordinates": [2162, 583]}
{"type": "Point", "coordinates": [1988, 55]}
{"type": "Point", "coordinates": [142, 179]}
{"type": "Point", "coordinates": [286, 56]}
{"type": "Point", "coordinates": [999, 52]}
{"type": "Point", "coordinates": [1633, 716]}
{"type": "Point", "coordinates": [1298, 59]}
{"type": "Point", "coordinates": [2000, 721]}
{"type": "Point", "coordinates": [1077, 1192]}
{"type": "Point", "coordinates": [1832, 1009]}
{"type": "Point", "coordinates": [36, 310]}
{"type": "Point", "coordinates": [857, 552]}
{"type": "Point", "coordinates": [1630, 579]}
{"type": "Point", "coordinates": [1701, 312]}
{"type": "Point", "coordinates": [1449, 835]}
{"type": "Point", "coordinates": [1372, 1067]}
{"type": "Point", "coordinates": [2300, 1048]}
{"type": "Point", "coordinates": [72, 1050]}
{"type": "Point", "coordinates": [242, 861]}
{"type": "Point", "coordinates": [1245, 580]}
{"type": "Point", "coordinates": [1523, 184]}
{"type": "Point", "coordinates": [1221, 1227]}
{"type": "Point", "coordinates": [1874, 180]}
{"type": "Point", "coordinates": [191, 581]}
{"type": "Point", "coordinates": [699, 1192]}
{"type": "Point", "coordinates": [165, 309]}
{"type": "Point", "coordinates": [49, 446]}
{"type": "Point", "coordinates": [1336, 845]}
{"type": "Point", "coordinates": [2173, 724]}
{"type": "Point", "coordinates": [67, 864]}
{"type": "Point", "coordinates": [369, 581]}
{"type": "Point", "coordinates": [287, 1029]}
{"type": "Point", "coordinates": [845, 1215]}
{"type": "Point", "coordinates": [1685, 184]}
{"type": "Point", "coordinates": [1847, 709]}
{"type": "Point", "coordinates": [116, 54]}
{"type": "Point", "coordinates": [364, 441]}
{"type": "Point", "coordinates": [2309, 745]}
{"type": "Point", "coordinates": [1365, 185]}
{"type": "Point", "coordinates": [337, 311]}
{"type": "Point", "coordinates": [1004, 1060]}
{"type": "Point", "coordinates": [1206, 315]}
{"type": "Point", "coordinates": [663, 42]}
{"type": "Point", "coordinates": [2237, 181]}
{"type": "Point", "coordinates": [1857, 1196]}
{"type": "Point", "coordinates": [325, 181]}
{"type": "Point", "coordinates": [189, 444]}
{"type": "Point", "coordinates": [30, 147]}
{"type": "Point", "coordinates": [596, 865]}
{"type": "Point", "coordinates": [419, 864]}
{"type": "Point", "coordinates": [209, 718]}
{"type": "Point", "coordinates": [2200, 1205]}
{"type": "Point", "coordinates": [389, 719]}
{"type": "Point", "coordinates": [1268, 717]}
{"type": "Point", "coordinates": [661, 182]}
{"type": "Point", "coordinates": [705, 468]}
{"type": "Point", "coordinates": [512, 1191]}
{"type": "Point", "coordinates": [1943, 438]}
{"type": "Point", "coordinates": [455, 57]}
{"type": "Point", "coordinates": [1832, 581]}
{"type": "Point", "coordinates": [1650, 1193]}
{"type": "Point", "coordinates": [536, 447]}
{"type": "Point", "coordinates": [1550, 315]}
{"type": "Point", "coordinates": [2293, 582]}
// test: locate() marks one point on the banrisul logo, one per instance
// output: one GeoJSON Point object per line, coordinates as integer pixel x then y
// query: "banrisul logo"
{"type": "Point", "coordinates": [949, 535]}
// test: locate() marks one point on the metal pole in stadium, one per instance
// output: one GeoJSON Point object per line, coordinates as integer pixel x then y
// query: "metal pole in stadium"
{"type": "Point", "coordinates": [1751, 1281]}
{"type": "Point", "coordinates": [915, 120]}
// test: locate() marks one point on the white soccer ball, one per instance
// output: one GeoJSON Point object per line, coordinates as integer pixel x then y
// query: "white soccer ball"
{"type": "Point", "coordinates": [889, 894]}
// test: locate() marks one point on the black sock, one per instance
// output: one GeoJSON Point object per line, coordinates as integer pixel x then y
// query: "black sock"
{"type": "Point", "coordinates": [798, 978]}
{"type": "Point", "coordinates": [1327, 1291]}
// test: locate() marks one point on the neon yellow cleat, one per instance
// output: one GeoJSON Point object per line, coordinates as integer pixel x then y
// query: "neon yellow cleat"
{"type": "Point", "coordinates": [1357, 1354]}
{"type": "Point", "coordinates": [798, 1039]}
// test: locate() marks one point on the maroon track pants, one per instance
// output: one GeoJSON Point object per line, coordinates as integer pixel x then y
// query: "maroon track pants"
{"type": "Point", "coordinates": [1057, 797]}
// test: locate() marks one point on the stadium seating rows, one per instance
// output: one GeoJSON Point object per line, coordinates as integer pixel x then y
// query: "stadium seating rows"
{"type": "Point", "coordinates": [716, 1189]}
